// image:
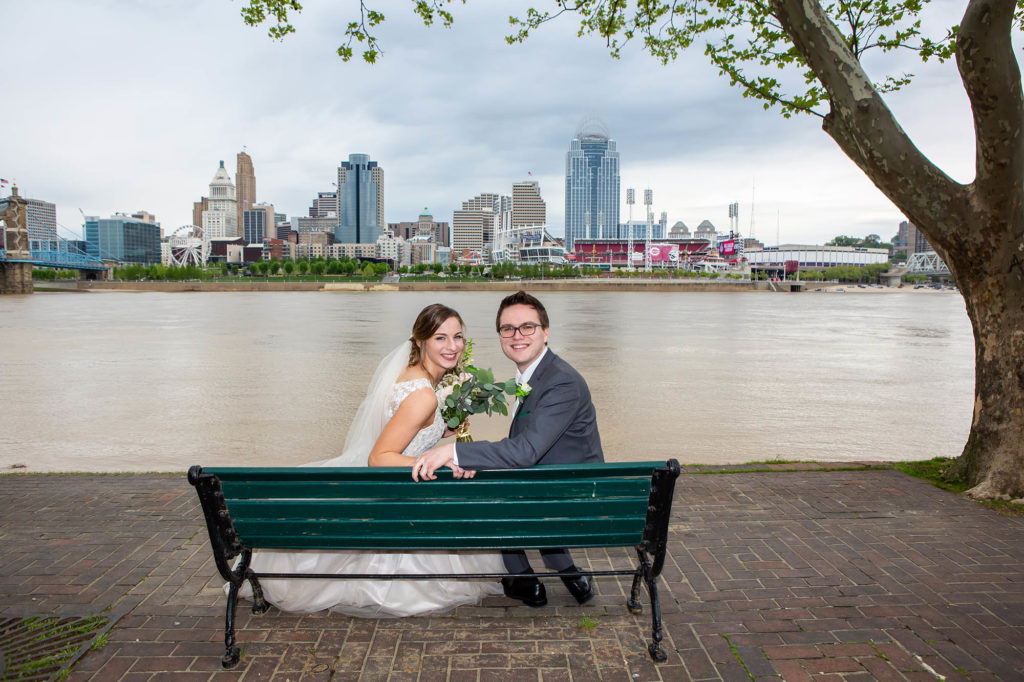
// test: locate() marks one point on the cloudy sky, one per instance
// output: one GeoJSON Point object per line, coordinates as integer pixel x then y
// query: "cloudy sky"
{"type": "Point", "coordinates": [126, 105]}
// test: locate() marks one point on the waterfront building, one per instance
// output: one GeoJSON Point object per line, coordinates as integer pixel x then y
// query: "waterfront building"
{"type": "Point", "coordinates": [360, 201]}
{"type": "Point", "coordinates": [279, 249]}
{"type": "Point", "coordinates": [527, 244]}
{"type": "Point", "coordinates": [473, 225]}
{"type": "Point", "coordinates": [664, 253]}
{"type": "Point", "coordinates": [323, 239]}
{"type": "Point", "coordinates": [220, 219]}
{"type": "Point", "coordinates": [591, 184]}
{"type": "Point", "coordinates": [257, 223]}
{"type": "Point", "coordinates": [528, 208]}
{"type": "Point", "coordinates": [392, 248]}
{"type": "Point", "coordinates": [910, 240]}
{"type": "Point", "coordinates": [227, 250]}
{"type": "Point", "coordinates": [147, 217]}
{"type": "Point", "coordinates": [281, 225]}
{"type": "Point", "coordinates": [440, 232]}
{"type": "Point", "coordinates": [245, 177]}
{"type": "Point", "coordinates": [311, 250]}
{"type": "Point", "coordinates": [303, 224]}
{"type": "Point", "coordinates": [325, 204]}
{"type": "Point", "coordinates": [775, 258]}
{"type": "Point", "coordinates": [443, 256]}
{"type": "Point", "coordinates": [360, 251]}
{"type": "Point", "coordinates": [41, 221]}
{"type": "Point", "coordinates": [422, 249]}
{"type": "Point", "coordinates": [123, 238]}
{"type": "Point", "coordinates": [197, 211]}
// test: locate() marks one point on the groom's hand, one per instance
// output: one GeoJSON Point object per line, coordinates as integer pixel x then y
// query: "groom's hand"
{"type": "Point", "coordinates": [432, 460]}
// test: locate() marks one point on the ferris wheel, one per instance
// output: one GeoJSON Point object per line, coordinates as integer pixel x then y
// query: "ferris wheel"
{"type": "Point", "coordinates": [188, 246]}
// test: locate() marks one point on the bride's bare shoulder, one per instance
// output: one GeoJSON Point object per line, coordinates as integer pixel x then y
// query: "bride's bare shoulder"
{"type": "Point", "coordinates": [412, 374]}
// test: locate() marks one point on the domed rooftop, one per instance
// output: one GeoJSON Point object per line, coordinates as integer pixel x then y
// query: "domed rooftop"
{"type": "Point", "coordinates": [592, 127]}
{"type": "Point", "coordinates": [221, 177]}
{"type": "Point", "coordinates": [705, 225]}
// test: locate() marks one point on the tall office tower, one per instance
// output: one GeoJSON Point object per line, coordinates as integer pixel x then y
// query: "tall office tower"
{"type": "Point", "coordinates": [591, 184]}
{"type": "Point", "coordinates": [41, 221]}
{"type": "Point", "coordinates": [220, 220]}
{"type": "Point", "coordinates": [258, 224]}
{"type": "Point", "coordinates": [325, 204]}
{"type": "Point", "coordinates": [916, 242]}
{"type": "Point", "coordinates": [527, 206]}
{"type": "Point", "coordinates": [360, 201]}
{"type": "Point", "coordinates": [473, 225]}
{"type": "Point", "coordinates": [245, 179]}
{"type": "Point", "coordinates": [197, 210]}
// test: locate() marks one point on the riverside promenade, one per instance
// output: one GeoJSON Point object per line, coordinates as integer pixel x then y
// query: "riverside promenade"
{"type": "Point", "coordinates": [794, 574]}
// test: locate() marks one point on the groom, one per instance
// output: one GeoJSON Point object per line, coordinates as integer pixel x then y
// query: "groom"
{"type": "Point", "coordinates": [555, 423]}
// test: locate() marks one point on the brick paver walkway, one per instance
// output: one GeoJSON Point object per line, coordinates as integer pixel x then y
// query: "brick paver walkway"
{"type": "Point", "coordinates": [794, 575]}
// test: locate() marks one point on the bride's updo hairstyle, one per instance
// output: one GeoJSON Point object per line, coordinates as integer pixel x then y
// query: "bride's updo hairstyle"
{"type": "Point", "coordinates": [428, 322]}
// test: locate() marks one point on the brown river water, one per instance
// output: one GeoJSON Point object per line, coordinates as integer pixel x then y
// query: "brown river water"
{"type": "Point", "coordinates": [160, 381]}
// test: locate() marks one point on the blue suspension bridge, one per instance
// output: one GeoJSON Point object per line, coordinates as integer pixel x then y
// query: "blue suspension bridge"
{"type": "Point", "coordinates": [18, 257]}
{"type": "Point", "coordinates": [58, 253]}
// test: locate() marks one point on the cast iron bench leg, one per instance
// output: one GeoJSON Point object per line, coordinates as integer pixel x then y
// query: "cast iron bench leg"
{"type": "Point", "coordinates": [231, 652]}
{"type": "Point", "coordinates": [654, 648]}
{"type": "Point", "coordinates": [633, 603]}
{"type": "Point", "coordinates": [259, 604]}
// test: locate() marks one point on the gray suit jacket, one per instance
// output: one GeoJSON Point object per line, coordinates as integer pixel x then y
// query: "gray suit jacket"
{"type": "Point", "coordinates": [555, 424]}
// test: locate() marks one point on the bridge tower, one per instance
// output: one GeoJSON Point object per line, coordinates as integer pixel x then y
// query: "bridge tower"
{"type": "Point", "coordinates": [15, 276]}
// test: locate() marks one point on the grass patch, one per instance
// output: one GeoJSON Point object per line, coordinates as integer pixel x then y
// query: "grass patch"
{"type": "Point", "coordinates": [587, 624]}
{"type": "Point", "coordinates": [932, 470]}
{"type": "Point", "coordinates": [45, 647]}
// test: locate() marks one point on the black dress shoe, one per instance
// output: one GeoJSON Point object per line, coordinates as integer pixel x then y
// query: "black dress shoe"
{"type": "Point", "coordinates": [580, 587]}
{"type": "Point", "coordinates": [530, 591]}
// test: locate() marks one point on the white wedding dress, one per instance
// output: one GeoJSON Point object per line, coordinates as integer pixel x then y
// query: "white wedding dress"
{"type": "Point", "coordinates": [378, 598]}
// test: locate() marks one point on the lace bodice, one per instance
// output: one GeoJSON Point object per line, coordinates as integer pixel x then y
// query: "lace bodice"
{"type": "Point", "coordinates": [427, 437]}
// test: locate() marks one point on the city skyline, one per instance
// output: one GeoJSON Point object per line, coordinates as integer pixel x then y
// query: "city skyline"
{"type": "Point", "coordinates": [137, 135]}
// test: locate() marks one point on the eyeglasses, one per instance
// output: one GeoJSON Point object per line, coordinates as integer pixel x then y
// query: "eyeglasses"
{"type": "Point", "coordinates": [526, 329]}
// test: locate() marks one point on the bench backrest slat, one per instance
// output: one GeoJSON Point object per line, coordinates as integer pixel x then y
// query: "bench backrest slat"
{"type": "Point", "coordinates": [593, 505]}
{"type": "Point", "coordinates": [440, 491]}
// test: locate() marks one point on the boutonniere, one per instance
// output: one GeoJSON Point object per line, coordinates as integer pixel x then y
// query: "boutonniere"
{"type": "Point", "coordinates": [523, 390]}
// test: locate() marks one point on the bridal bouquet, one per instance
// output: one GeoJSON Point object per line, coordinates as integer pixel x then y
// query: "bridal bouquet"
{"type": "Point", "coordinates": [470, 390]}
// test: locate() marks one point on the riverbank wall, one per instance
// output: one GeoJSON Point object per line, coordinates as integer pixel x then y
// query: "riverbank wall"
{"type": "Point", "coordinates": [568, 285]}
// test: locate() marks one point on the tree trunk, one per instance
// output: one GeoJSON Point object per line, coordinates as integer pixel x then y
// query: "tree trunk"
{"type": "Point", "coordinates": [993, 459]}
{"type": "Point", "coordinates": [977, 229]}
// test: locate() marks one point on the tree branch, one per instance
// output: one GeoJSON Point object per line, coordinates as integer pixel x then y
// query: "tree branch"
{"type": "Point", "coordinates": [864, 127]}
{"type": "Point", "coordinates": [991, 77]}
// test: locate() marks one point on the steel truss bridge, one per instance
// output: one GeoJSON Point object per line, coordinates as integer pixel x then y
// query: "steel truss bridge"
{"type": "Point", "coordinates": [926, 263]}
{"type": "Point", "coordinates": [60, 254]}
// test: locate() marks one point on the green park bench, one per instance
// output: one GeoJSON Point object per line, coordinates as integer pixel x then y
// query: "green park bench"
{"type": "Point", "coordinates": [364, 508]}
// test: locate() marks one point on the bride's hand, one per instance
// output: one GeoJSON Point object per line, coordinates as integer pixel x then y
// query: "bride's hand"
{"type": "Point", "coordinates": [459, 472]}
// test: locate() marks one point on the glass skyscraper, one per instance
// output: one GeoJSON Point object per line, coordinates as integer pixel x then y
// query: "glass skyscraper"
{"type": "Point", "coordinates": [124, 239]}
{"type": "Point", "coordinates": [360, 201]}
{"type": "Point", "coordinates": [591, 184]}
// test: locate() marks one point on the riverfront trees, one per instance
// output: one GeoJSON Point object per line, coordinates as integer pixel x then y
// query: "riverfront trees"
{"type": "Point", "coordinates": [977, 228]}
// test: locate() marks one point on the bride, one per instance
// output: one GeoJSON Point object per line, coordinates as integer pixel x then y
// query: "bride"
{"type": "Point", "coordinates": [398, 420]}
